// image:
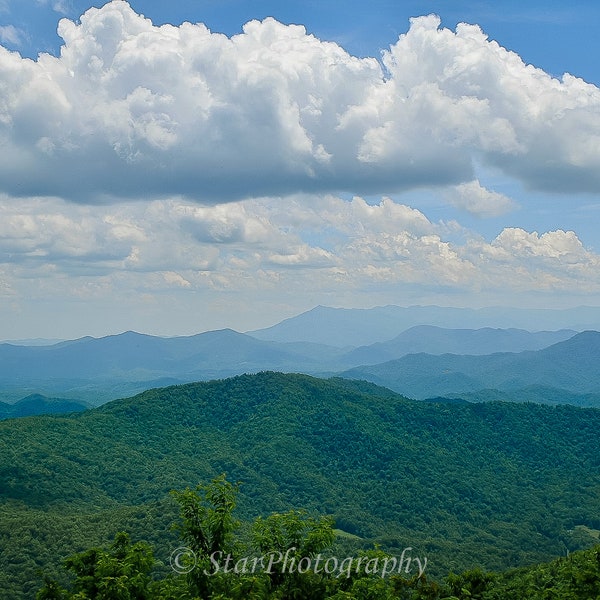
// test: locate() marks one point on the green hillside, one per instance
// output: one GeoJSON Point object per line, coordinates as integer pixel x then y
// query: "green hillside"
{"type": "Point", "coordinates": [533, 393]}
{"type": "Point", "coordinates": [492, 485]}
{"type": "Point", "coordinates": [293, 556]}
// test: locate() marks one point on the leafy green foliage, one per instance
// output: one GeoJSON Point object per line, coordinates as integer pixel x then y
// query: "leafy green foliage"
{"type": "Point", "coordinates": [576, 577]}
{"type": "Point", "coordinates": [207, 526]}
{"type": "Point", "coordinates": [287, 541]}
{"type": "Point", "coordinates": [121, 573]}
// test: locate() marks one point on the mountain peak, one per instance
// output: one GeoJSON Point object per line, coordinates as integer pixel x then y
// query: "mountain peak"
{"type": "Point", "coordinates": [586, 342]}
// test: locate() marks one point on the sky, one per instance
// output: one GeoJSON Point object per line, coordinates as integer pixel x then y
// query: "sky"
{"type": "Point", "coordinates": [177, 167]}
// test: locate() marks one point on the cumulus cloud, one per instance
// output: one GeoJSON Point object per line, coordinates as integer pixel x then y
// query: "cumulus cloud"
{"type": "Point", "coordinates": [271, 246]}
{"type": "Point", "coordinates": [133, 110]}
{"type": "Point", "coordinates": [478, 97]}
{"type": "Point", "coordinates": [554, 261]}
{"type": "Point", "coordinates": [550, 245]}
{"type": "Point", "coordinates": [41, 233]}
{"type": "Point", "coordinates": [479, 201]}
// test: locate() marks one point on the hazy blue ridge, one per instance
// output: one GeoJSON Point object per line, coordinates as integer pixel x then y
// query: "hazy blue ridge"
{"type": "Point", "coordinates": [36, 404]}
{"type": "Point", "coordinates": [99, 369]}
{"type": "Point", "coordinates": [437, 340]}
{"type": "Point", "coordinates": [345, 327]}
{"type": "Point", "coordinates": [571, 365]}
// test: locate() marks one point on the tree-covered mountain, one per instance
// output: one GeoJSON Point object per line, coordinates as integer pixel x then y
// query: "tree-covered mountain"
{"type": "Point", "coordinates": [571, 365]}
{"type": "Point", "coordinates": [36, 404]}
{"type": "Point", "coordinates": [492, 485]}
{"type": "Point", "coordinates": [532, 393]}
{"type": "Point", "coordinates": [293, 555]}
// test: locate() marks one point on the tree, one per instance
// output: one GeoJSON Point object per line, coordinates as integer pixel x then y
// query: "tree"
{"type": "Point", "coordinates": [119, 573]}
{"type": "Point", "coordinates": [207, 528]}
{"type": "Point", "coordinates": [291, 544]}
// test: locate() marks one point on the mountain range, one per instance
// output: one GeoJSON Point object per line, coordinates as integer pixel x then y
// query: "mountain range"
{"type": "Point", "coordinates": [571, 365]}
{"type": "Point", "coordinates": [354, 327]}
{"type": "Point", "coordinates": [100, 369]}
{"type": "Point", "coordinates": [437, 340]}
{"type": "Point", "coordinates": [95, 370]}
{"type": "Point", "coordinates": [404, 437]}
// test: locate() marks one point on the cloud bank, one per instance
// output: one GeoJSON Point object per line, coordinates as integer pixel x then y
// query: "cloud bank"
{"type": "Point", "coordinates": [131, 110]}
{"type": "Point", "coordinates": [297, 244]}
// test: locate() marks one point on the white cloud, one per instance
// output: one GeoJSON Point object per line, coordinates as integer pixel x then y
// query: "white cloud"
{"type": "Point", "coordinates": [518, 260]}
{"type": "Point", "coordinates": [470, 94]}
{"type": "Point", "coordinates": [479, 201]}
{"type": "Point", "coordinates": [267, 129]}
{"type": "Point", "coordinates": [59, 6]}
{"type": "Point", "coordinates": [303, 256]}
{"type": "Point", "coordinates": [563, 245]}
{"type": "Point", "coordinates": [251, 247]}
{"type": "Point", "coordinates": [131, 110]}
{"type": "Point", "coordinates": [10, 35]}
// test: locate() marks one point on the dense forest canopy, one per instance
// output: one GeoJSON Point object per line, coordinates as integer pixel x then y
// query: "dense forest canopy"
{"type": "Point", "coordinates": [490, 486]}
{"type": "Point", "coordinates": [292, 556]}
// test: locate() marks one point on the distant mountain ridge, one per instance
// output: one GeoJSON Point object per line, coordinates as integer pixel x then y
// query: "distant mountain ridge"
{"type": "Point", "coordinates": [32, 342]}
{"type": "Point", "coordinates": [539, 394]}
{"type": "Point", "coordinates": [570, 365]}
{"type": "Point", "coordinates": [345, 327]}
{"type": "Point", "coordinates": [108, 367]}
{"type": "Point", "coordinates": [100, 369]}
{"type": "Point", "coordinates": [438, 340]}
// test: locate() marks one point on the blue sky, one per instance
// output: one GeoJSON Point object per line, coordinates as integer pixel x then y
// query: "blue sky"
{"type": "Point", "coordinates": [175, 179]}
{"type": "Point", "coordinates": [555, 36]}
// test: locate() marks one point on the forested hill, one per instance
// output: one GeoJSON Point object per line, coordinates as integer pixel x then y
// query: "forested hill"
{"type": "Point", "coordinates": [492, 485]}
{"type": "Point", "coordinates": [36, 404]}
